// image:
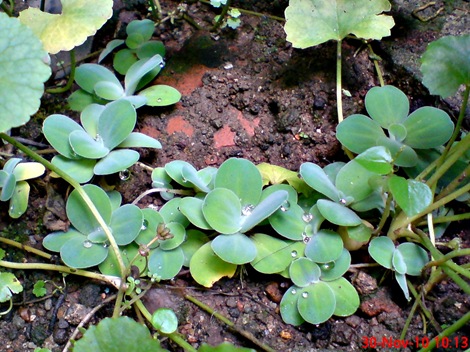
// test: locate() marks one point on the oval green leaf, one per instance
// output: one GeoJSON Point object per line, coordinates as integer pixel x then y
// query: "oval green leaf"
{"type": "Point", "coordinates": [304, 272]}
{"type": "Point", "coordinates": [337, 213]}
{"type": "Point", "coordinates": [222, 210]}
{"type": "Point", "coordinates": [161, 95]}
{"type": "Point", "coordinates": [317, 303]}
{"type": "Point", "coordinates": [325, 246]}
{"type": "Point", "coordinates": [116, 161]}
{"type": "Point", "coordinates": [80, 253]}
{"type": "Point", "coordinates": [288, 307]}
{"type": "Point", "coordinates": [165, 320]}
{"type": "Point", "coordinates": [412, 196]}
{"type": "Point", "coordinates": [179, 235]}
{"type": "Point", "coordinates": [235, 248]}
{"type": "Point", "coordinates": [381, 249]}
{"type": "Point", "coordinates": [414, 256]}
{"type": "Point", "coordinates": [347, 299]}
{"type": "Point", "coordinates": [165, 264]}
{"type": "Point", "coordinates": [387, 105]}
{"type": "Point", "coordinates": [126, 223]}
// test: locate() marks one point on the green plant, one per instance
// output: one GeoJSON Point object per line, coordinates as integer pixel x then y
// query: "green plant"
{"type": "Point", "coordinates": [232, 19]}
{"type": "Point", "coordinates": [312, 22]}
{"type": "Point", "coordinates": [139, 46]}
{"type": "Point", "coordinates": [91, 149]}
{"type": "Point", "coordinates": [100, 85]}
{"type": "Point", "coordinates": [14, 186]}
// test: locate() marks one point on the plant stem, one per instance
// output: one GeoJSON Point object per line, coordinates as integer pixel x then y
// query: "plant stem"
{"type": "Point", "coordinates": [7, 10]}
{"type": "Point", "coordinates": [113, 280]}
{"type": "Point", "coordinates": [444, 219]}
{"type": "Point", "coordinates": [448, 256]}
{"type": "Point", "coordinates": [166, 190]}
{"type": "Point", "coordinates": [374, 57]}
{"type": "Point", "coordinates": [175, 337]}
{"type": "Point", "coordinates": [156, 9]}
{"type": "Point", "coordinates": [339, 91]}
{"type": "Point", "coordinates": [463, 321]}
{"type": "Point", "coordinates": [454, 183]}
{"type": "Point", "coordinates": [227, 321]}
{"type": "Point", "coordinates": [67, 87]}
{"type": "Point", "coordinates": [25, 248]}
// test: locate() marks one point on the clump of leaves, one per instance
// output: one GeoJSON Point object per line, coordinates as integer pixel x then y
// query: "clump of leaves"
{"type": "Point", "coordinates": [388, 107]}
{"type": "Point", "coordinates": [406, 259]}
{"type": "Point", "coordinates": [312, 22]}
{"type": "Point", "coordinates": [100, 146]}
{"type": "Point", "coordinates": [14, 186]}
{"type": "Point", "coordinates": [232, 19]}
{"type": "Point", "coordinates": [99, 85]}
{"type": "Point", "coordinates": [139, 46]}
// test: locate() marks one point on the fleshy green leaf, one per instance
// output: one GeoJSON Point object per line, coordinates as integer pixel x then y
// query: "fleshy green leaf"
{"type": "Point", "coordinates": [87, 147]}
{"type": "Point", "coordinates": [317, 303]}
{"type": "Point", "coordinates": [23, 70]}
{"type": "Point", "coordinates": [81, 170]}
{"type": "Point", "coordinates": [165, 264]}
{"type": "Point", "coordinates": [116, 122]}
{"type": "Point", "coordinates": [88, 75]}
{"type": "Point", "coordinates": [179, 235]}
{"type": "Point", "coordinates": [62, 32]}
{"type": "Point", "coordinates": [428, 127]}
{"type": "Point", "coordinates": [347, 299]}
{"type": "Point", "coordinates": [222, 210]}
{"type": "Point", "coordinates": [56, 129]}
{"type": "Point", "coordinates": [412, 196]}
{"type": "Point", "coordinates": [387, 105]}
{"type": "Point", "coordinates": [116, 161]}
{"type": "Point", "coordinates": [138, 70]}
{"type": "Point", "coordinates": [413, 256]}
{"type": "Point", "coordinates": [381, 249]}
{"type": "Point", "coordinates": [273, 254]}
{"type": "Point", "coordinates": [80, 253]}
{"type": "Point", "coordinates": [28, 170]}
{"type": "Point", "coordinates": [316, 178]}
{"type": "Point", "coordinates": [81, 216]}
{"type": "Point", "coordinates": [19, 200]}
{"type": "Point", "coordinates": [337, 268]}
{"type": "Point", "coordinates": [312, 22]}
{"type": "Point", "coordinates": [446, 65]}
{"type": "Point", "coordinates": [192, 208]}
{"type": "Point", "coordinates": [165, 320]}
{"type": "Point", "coordinates": [236, 248]}
{"type": "Point", "coordinates": [161, 95]}
{"type": "Point", "coordinates": [289, 222]}
{"type": "Point", "coordinates": [304, 272]}
{"type": "Point", "coordinates": [243, 178]}
{"type": "Point", "coordinates": [288, 307]}
{"type": "Point", "coordinates": [264, 209]}
{"type": "Point", "coordinates": [126, 223]}
{"type": "Point", "coordinates": [207, 268]}
{"type": "Point", "coordinates": [54, 241]}
{"type": "Point", "coordinates": [112, 334]}
{"type": "Point", "coordinates": [324, 247]}
{"type": "Point", "coordinates": [113, 44]}
{"type": "Point", "coordinates": [337, 213]}
{"type": "Point", "coordinates": [401, 279]}
{"type": "Point", "coordinates": [140, 140]}
{"type": "Point", "coordinates": [273, 174]}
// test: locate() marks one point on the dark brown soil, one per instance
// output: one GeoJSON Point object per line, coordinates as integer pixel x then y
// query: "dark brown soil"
{"type": "Point", "coordinates": [246, 93]}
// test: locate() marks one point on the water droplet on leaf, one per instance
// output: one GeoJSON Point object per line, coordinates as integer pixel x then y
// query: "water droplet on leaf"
{"type": "Point", "coordinates": [293, 254]}
{"type": "Point", "coordinates": [159, 100]}
{"type": "Point", "coordinates": [343, 201]}
{"type": "Point", "coordinates": [247, 209]}
{"type": "Point", "coordinates": [294, 291]}
{"type": "Point", "coordinates": [327, 266]}
{"type": "Point", "coordinates": [144, 226]}
{"type": "Point", "coordinates": [162, 64]}
{"type": "Point", "coordinates": [307, 217]}
{"type": "Point", "coordinates": [305, 238]}
{"type": "Point", "coordinates": [285, 206]}
{"type": "Point", "coordinates": [87, 244]}
{"type": "Point", "coordinates": [304, 294]}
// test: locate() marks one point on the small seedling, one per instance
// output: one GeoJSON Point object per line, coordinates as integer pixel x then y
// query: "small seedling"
{"type": "Point", "coordinates": [139, 46]}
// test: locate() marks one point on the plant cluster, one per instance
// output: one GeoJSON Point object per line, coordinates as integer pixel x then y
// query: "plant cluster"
{"type": "Point", "coordinates": [405, 170]}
